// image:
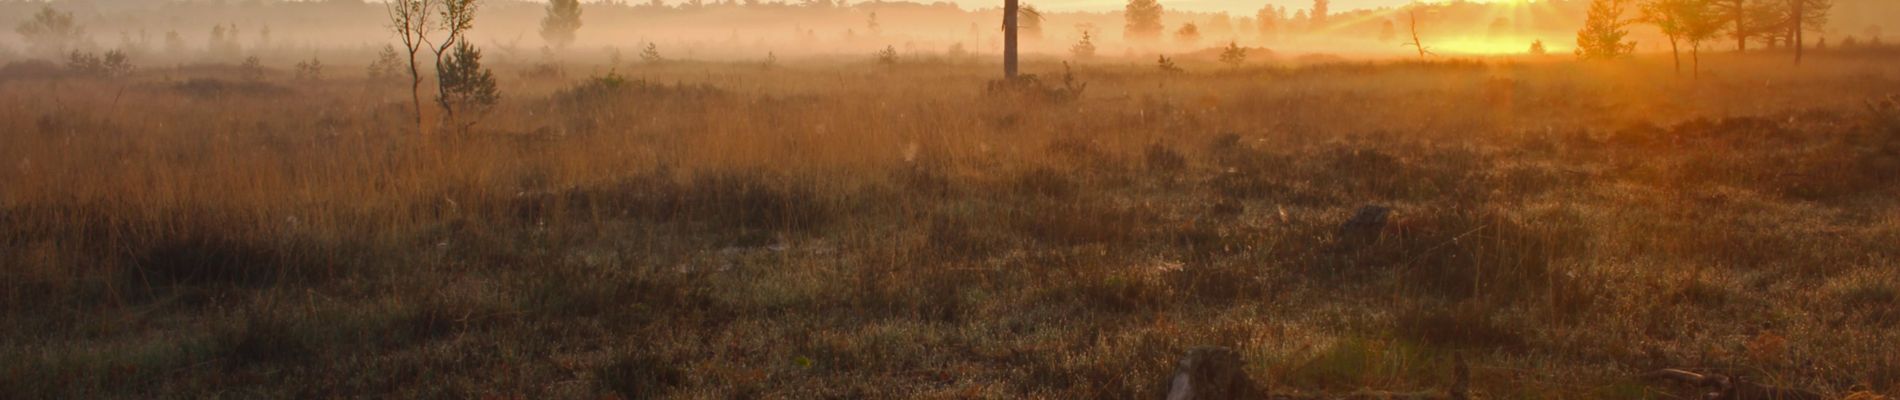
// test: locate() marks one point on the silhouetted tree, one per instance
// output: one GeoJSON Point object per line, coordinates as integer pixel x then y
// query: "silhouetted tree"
{"type": "Point", "coordinates": [1537, 48]}
{"type": "Point", "coordinates": [1805, 16]}
{"type": "Point", "coordinates": [1233, 55]}
{"type": "Point", "coordinates": [1268, 19]}
{"type": "Point", "coordinates": [1167, 65]}
{"type": "Point", "coordinates": [1747, 20]}
{"type": "Point", "coordinates": [1029, 23]}
{"type": "Point", "coordinates": [1603, 31]}
{"type": "Point", "coordinates": [1678, 20]}
{"type": "Point", "coordinates": [1085, 48]}
{"type": "Point", "coordinates": [439, 26]}
{"type": "Point", "coordinates": [1319, 14]}
{"type": "Point", "coordinates": [1387, 31]}
{"type": "Point", "coordinates": [1189, 35]}
{"type": "Point", "coordinates": [51, 31]}
{"type": "Point", "coordinates": [563, 20]}
{"type": "Point", "coordinates": [651, 54]}
{"type": "Point", "coordinates": [310, 70]}
{"type": "Point", "coordinates": [888, 56]}
{"type": "Point", "coordinates": [115, 63]}
{"type": "Point", "coordinates": [1143, 20]}
{"type": "Point", "coordinates": [413, 20]}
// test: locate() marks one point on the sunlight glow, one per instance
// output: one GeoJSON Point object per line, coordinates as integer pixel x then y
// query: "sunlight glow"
{"type": "Point", "coordinates": [1492, 46]}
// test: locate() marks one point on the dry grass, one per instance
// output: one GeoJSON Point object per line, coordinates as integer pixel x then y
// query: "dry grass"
{"type": "Point", "coordinates": [720, 231]}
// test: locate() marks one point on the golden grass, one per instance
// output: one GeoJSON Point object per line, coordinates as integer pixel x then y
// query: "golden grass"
{"type": "Point", "coordinates": [851, 230]}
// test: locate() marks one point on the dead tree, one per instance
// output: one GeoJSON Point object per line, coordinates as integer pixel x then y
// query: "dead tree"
{"type": "Point", "coordinates": [1010, 17]}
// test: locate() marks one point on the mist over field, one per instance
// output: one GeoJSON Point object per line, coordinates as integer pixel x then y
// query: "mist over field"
{"type": "Point", "coordinates": [734, 30]}
{"type": "Point", "coordinates": [1140, 199]}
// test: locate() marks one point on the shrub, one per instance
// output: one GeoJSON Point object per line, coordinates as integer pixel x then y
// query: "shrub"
{"type": "Point", "coordinates": [311, 70]}
{"type": "Point", "coordinates": [263, 337]}
{"type": "Point", "coordinates": [888, 56]}
{"type": "Point", "coordinates": [1164, 159]}
{"type": "Point", "coordinates": [252, 69]}
{"type": "Point", "coordinates": [612, 89]}
{"type": "Point", "coordinates": [205, 88]}
{"type": "Point", "coordinates": [1033, 88]}
{"type": "Point", "coordinates": [1167, 65]}
{"type": "Point", "coordinates": [641, 376]}
{"type": "Point", "coordinates": [114, 63]}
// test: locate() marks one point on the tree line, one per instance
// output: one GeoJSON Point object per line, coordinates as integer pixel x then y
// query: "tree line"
{"type": "Point", "coordinates": [1693, 23]}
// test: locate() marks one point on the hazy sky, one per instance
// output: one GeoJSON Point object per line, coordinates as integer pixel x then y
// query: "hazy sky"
{"type": "Point", "coordinates": [1232, 6]}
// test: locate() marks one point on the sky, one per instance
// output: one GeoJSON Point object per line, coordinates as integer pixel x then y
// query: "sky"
{"type": "Point", "coordinates": [1232, 6]}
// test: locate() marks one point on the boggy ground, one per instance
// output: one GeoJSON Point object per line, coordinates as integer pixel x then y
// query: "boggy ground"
{"type": "Point", "coordinates": [851, 230]}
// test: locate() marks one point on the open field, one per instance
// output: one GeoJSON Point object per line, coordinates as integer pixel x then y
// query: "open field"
{"type": "Point", "coordinates": [849, 230]}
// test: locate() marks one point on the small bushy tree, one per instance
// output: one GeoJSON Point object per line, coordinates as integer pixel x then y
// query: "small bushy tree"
{"type": "Point", "coordinates": [252, 69]}
{"type": "Point", "coordinates": [1084, 49]}
{"type": "Point", "coordinates": [1233, 55]}
{"type": "Point", "coordinates": [466, 86]}
{"type": "Point", "coordinates": [1167, 65]}
{"type": "Point", "coordinates": [651, 54]}
{"type": "Point", "coordinates": [887, 56]}
{"type": "Point", "coordinates": [310, 70]}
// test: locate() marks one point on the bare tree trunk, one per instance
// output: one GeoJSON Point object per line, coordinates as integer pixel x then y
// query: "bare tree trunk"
{"type": "Point", "coordinates": [1796, 36]}
{"type": "Point", "coordinates": [1676, 51]}
{"type": "Point", "coordinates": [1741, 27]}
{"type": "Point", "coordinates": [1009, 38]}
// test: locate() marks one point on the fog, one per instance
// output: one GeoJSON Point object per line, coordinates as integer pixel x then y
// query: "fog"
{"type": "Point", "coordinates": [735, 30]}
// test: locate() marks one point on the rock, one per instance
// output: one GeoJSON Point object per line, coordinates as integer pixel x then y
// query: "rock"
{"type": "Point", "coordinates": [1212, 373]}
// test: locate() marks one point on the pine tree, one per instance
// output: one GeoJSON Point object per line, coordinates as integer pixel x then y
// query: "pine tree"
{"type": "Point", "coordinates": [1233, 55]}
{"type": "Point", "coordinates": [466, 86]}
{"type": "Point", "coordinates": [1084, 49]}
{"type": "Point", "coordinates": [1603, 31]}
{"type": "Point", "coordinates": [651, 54]}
